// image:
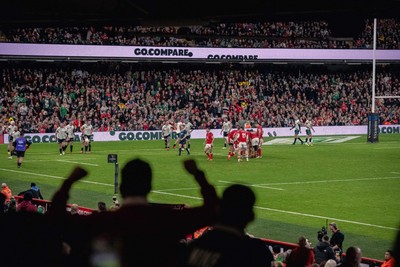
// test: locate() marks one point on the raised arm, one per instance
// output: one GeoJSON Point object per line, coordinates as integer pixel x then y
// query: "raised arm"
{"type": "Point", "coordinates": [207, 190]}
{"type": "Point", "coordinates": [60, 198]}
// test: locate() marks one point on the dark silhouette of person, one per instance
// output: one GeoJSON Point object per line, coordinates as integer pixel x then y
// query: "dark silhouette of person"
{"type": "Point", "coordinates": [226, 243]}
{"type": "Point", "coordinates": [34, 190]}
{"type": "Point", "coordinates": [352, 258]}
{"type": "Point", "coordinates": [141, 234]}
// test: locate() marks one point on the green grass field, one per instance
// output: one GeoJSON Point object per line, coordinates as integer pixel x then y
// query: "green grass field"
{"type": "Point", "coordinates": [298, 188]}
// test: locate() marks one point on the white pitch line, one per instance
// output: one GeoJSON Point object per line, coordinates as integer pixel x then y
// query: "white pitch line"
{"type": "Point", "coordinates": [336, 180]}
{"type": "Point", "coordinates": [254, 185]}
{"type": "Point", "coordinates": [392, 147]}
{"type": "Point", "coordinates": [183, 189]}
{"type": "Point", "coordinates": [54, 177]}
{"type": "Point", "coordinates": [396, 172]}
{"type": "Point", "coordinates": [177, 195]}
{"type": "Point", "coordinates": [328, 218]}
{"type": "Point", "coordinates": [75, 162]}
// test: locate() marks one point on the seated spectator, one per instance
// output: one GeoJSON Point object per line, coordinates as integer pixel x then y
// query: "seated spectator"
{"type": "Point", "coordinates": [226, 243]}
{"type": "Point", "coordinates": [6, 191]}
{"type": "Point", "coordinates": [74, 209]}
{"type": "Point", "coordinates": [145, 235]}
{"type": "Point", "coordinates": [26, 204]}
{"type": "Point", "coordinates": [12, 206]}
{"type": "Point", "coordinates": [41, 209]}
{"type": "Point", "coordinates": [279, 254]}
{"type": "Point", "coordinates": [323, 250]}
{"type": "Point", "coordinates": [101, 206]}
{"type": "Point", "coordinates": [330, 263]}
{"type": "Point", "coordinates": [389, 259]}
{"type": "Point", "coordinates": [302, 255]}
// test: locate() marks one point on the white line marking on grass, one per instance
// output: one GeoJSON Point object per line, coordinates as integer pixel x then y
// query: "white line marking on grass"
{"type": "Point", "coordinates": [75, 162]}
{"type": "Point", "coordinates": [184, 188]}
{"type": "Point", "coordinates": [396, 172]}
{"type": "Point", "coordinates": [177, 195]}
{"type": "Point", "coordinates": [336, 180]}
{"type": "Point", "coordinates": [392, 147]}
{"type": "Point", "coordinates": [55, 177]}
{"type": "Point", "coordinates": [254, 185]}
{"type": "Point", "coordinates": [328, 218]}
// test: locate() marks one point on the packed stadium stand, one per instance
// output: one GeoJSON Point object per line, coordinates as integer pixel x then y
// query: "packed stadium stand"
{"type": "Point", "coordinates": [266, 34]}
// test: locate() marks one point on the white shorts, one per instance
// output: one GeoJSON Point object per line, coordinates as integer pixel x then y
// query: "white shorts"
{"type": "Point", "coordinates": [242, 146]}
{"type": "Point", "coordinates": [255, 141]}
{"type": "Point", "coordinates": [208, 146]}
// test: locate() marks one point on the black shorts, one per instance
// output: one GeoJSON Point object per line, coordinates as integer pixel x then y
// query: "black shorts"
{"type": "Point", "coordinates": [60, 140]}
{"type": "Point", "coordinates": [88, 137]}
{"type": "Point", "coordinates": [226, 134]}
{"type": "Point", "coordinates": [20, 154]}
{"type": "Point", "coordinates": [70, 139]}
{"type": "Point", "coordinates": [10, 139]}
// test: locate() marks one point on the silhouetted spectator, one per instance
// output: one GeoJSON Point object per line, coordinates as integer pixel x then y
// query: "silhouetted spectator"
{"type": "Point", "coordinates": [26, 204]}
{"type": "Point", "coordinates": [352, 258]}
{"type": "Point", "coordinates": [145, 235]}
{"type": "Point", "coordinates": [2, 203]}
{"type": "Point", "coordinates": [227, 244]}
{"type": "Point", "coordinates": [101, 206]}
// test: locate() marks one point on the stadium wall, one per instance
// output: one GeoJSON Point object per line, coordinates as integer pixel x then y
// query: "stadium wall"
{"type": "Point", "coordinates": [200, 134]}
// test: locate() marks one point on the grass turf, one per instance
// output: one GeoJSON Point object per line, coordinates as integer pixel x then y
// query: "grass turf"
{"type": "Point", "coordinates": [298, 188]}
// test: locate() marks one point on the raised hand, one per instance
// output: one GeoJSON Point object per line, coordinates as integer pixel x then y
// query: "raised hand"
{"type": "Point", "coordinates": [77, 174]}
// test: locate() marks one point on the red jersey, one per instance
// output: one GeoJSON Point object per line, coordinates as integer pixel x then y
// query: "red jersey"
{"type": "Point", "coordinates": [253, 135]}
{"type": "Point", "coordinates": [231, 135]}
{"type": "Point", "coordinates": [242, 136]}
{"type": "Point", "coordinates": [209, 138]}
{"type": "Point", "coordinates": [260, 132]}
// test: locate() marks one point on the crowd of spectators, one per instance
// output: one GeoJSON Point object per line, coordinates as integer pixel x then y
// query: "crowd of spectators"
{"type": "Point", "coordinates": [122, 97]}
{"type": "Point", "coordinates": [278, 34]}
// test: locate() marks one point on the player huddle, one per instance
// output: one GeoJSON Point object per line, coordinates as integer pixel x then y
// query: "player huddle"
{"type": "Point", "coordinates": [245, 143]}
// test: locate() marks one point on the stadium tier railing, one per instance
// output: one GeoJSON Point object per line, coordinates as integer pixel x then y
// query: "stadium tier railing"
{"type": "Point", "coordinates": [46, 204]}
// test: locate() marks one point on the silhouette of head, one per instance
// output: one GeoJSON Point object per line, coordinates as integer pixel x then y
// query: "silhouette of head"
{"type": "Point", "coordinates": [237, 206]}
{"type": "Point", "coordinates": [136, 178]}
{"type": "Point", "coordinates": [353, 256]}
{"type": "Point", "coordinates": [28, 196]}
